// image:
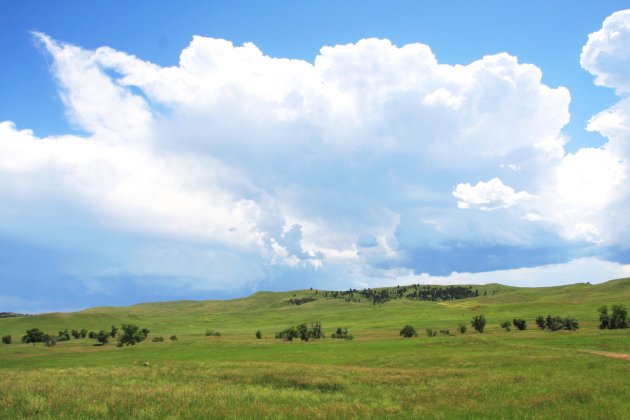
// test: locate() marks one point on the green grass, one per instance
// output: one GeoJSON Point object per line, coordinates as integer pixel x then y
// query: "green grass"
{"type": "Point", "coordinates": [516, 374]}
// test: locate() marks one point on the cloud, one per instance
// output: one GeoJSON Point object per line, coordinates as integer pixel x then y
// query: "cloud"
{"type": "Point", "coordinates": [491, 195]}
{"type": "Point", "coordinates": [231, 167]}
{"type": "Point", "coordinates": [606, 53]}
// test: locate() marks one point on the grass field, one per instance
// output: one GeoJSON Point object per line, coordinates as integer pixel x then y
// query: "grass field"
{"type": "Point", "coordinates": [497, 374]}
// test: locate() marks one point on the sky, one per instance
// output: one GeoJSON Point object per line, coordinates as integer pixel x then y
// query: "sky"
{"type": "Point", "coordinates": [157, 150]}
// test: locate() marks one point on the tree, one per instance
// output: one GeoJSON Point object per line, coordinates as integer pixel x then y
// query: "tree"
{"type": "Point", "coordinates": [92, 335]}
{"type": "Point", "coordinates": [173, 338]}
{"type": "Point", "coordinates": [342, 333]}
{"type": "Point", "coordinates": [478, 323]}
{"type": "Point", "coordinates": [618, 318]}
{"type": "Point", "coordinates": [258, 334]}
{"type": "Point", "coordinates": [50, 340]}
{"type": "Point", "coordinates": [506, 325]}
{"type": "Point", "coordinates": [540, 322]}
{"type": "Point", "coordinates": [408, 331]}
{"type": "Point", "coordinates": [34, 335]}
{"type": "Point", "coordinates": [113, 332]}
{"type": "Point", "coordinates": [75, 334]}
{"type": "Point", "coordinates": [102, 337]}
{"type": "Point", "coordinates": [6, 339]}
{"type": "Point", "coordinates": [553, 323]}
{"type": "Point", "coordinates": [132, 335]}
{"type": "Point", "coordinates": [570, 324]}
{"type": "Point", "coordinates": [63, 335]}
{"type": "Point", "coordinates": [521, 324]}
{"type": "Point", "coordinates": [462, 328]}
{"type": "Point", "coordinates": [83, 333]}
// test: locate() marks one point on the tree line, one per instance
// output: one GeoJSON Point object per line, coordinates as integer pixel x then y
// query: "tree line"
{"type": "Point", "coordinates": [130, 334]}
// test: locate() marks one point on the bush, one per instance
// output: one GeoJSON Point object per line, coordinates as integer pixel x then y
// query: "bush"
{"type": "Point", "coordinates": [506, 325]}
{"type": "Point", "coordinates": [540, 322]}
{"type": "Point", "coordinates": [158, 339]}
{"type": "Point", "coordinates": [408, 331]}
{"type": "Point", "coordinates": [302, 331]}
{"type": "Point", "coordinates": [75, 334]}
{"type": "Point", "coordinates": [258, 334]}
{"type": "Point", "coordinates": [92, 335]}
{"type": "Point", "coordinates": [342, 333]}
{"type": "Point", "coordinates": [6, 339]}
{"type": "Point", "coordinates": [431, 332]}
{"type": "Point", "coordinates": [462, 328]}
{"type": "Point", "coordinates": [173, 338]}
{"type": "Point", "coordinates": [445, 332]}
{"type": "Point", "coordinates": [478, 323]}
{"type": "Point", "coordinates": [83, 333]}
{"type": "Point", "coordinates": [521, 324]}
{"type": "Point", "coordinates": [212, 333]}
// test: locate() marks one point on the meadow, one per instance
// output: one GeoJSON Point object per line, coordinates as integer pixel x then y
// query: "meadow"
{"type": "Point", "coordinates": [378, 374]}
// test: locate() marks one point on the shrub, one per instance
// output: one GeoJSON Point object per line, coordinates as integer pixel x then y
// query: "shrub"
{"type": "Point", "coordinates": [302, 331]}
{"type": "Point", "coordinates": [173, 338]}
{"type": "Point", "coordinates": [506, 325]}
{"type": "Point", "coordinates": [478, 323]}
{"type": "Point", "coordinates": [212, 333]}
{"type": "Point", "coordinates": [556, 323]}
{"type": "Point", "coordinates": [6, 339]}
{"type": "Point", "coordinates": [92, 335]}
{"type": "Point", "coordinates": [113, 331]}
{"type": "Point", "coordinates": [83, 333]}
{"type": "Point", "coordinates": [408, 331]}
{"type": "Point", "coordinates": [431, 332]}
{"type": "Point", "coordinates": [342, 333]}
{"type": "Point", "coordinates": [258, 334]}
{"type": "Point", "coordinates": [287, 334]}
{"type": "Point", "coordinates": [521, 324]}
{"type": "Point", "coordinates": [75, 334]}
{"type": "Point", "coordinates": [462, 328]}
{"type": "Point", "coordinates": [445, 332]}
{"type": "Point", "coordinates": [540, 322]}
{"type": "Point", "coordinates": [158, 339]}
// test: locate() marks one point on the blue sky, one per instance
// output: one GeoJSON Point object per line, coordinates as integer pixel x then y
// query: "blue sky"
{"type": "Point", "coordinates": [167, 150]}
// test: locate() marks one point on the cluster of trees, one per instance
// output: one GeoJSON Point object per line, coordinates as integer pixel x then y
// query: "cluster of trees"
{"type": "Point", "coordinates": [302, 331]}
{"type": "Point", "coordinates": [617, 319]}
{"type": "Point", "coordinates": [10, 315]}
{"type": "Point", "coordinates": [301, 301]}
{"type": "Point", "coordinates": [557, 323]}
{"type": "Point", "coordinates": [415, 292]}
{"type": "Point", "coordinates": [131, 335]}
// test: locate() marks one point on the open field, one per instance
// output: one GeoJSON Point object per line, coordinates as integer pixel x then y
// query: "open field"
{"type": "Point", "coordinates": [516, 374]}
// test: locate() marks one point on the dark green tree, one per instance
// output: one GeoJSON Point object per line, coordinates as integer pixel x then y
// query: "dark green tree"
{"type": "Point", "coordinates": [75, 334]}
{"type": "Point", "coordinates": [478, 323]}
{"type": "Point", "coordinates": [102, 337]}
{"type": "Point", "coordinates": [83, 332]}
{"type": "Point", "coordinates": [540, 322]}
{"type": "Point", "coordinates": [6, 339]}
{"type": "Point", "coordinates": [521, 324]}
{"type": "Point", "coordinates": [408, 331]}
{"type": "Point", "coordinates": [113, 332]}
{"type": "Point", "coordinates": [506, 325]}
{"type": "Point", "coordinates": [34, 335]}
{"type": "Point", "coordinates": [132, 335]}
{"type": "Point", "coordinates": [258, 334]}
{"type": "Point", "coordinates": [63, 335]}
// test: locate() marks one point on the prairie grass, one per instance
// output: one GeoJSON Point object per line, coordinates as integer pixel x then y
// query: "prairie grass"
{"type": "Point", "coordinates": [497, 374]}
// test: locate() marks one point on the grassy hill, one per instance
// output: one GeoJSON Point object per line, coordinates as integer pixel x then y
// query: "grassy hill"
{"type": "Point", "coordinates": [378, 374]}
